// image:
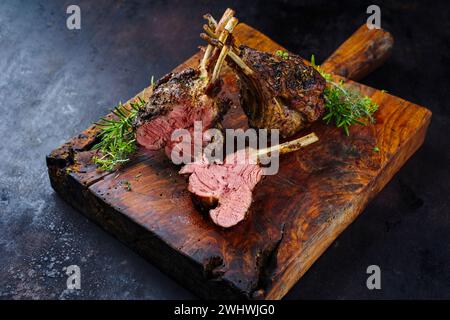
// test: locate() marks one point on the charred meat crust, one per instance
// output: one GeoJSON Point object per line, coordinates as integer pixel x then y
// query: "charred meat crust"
{"type": "Point", "coordinates": [181, 99]}
{"type": "Point", "coordinates": [281, 93]}
{"type": "Point", "coordinates": [168, 90]}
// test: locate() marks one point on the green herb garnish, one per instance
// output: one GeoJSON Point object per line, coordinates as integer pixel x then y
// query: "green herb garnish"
{"type": "Point", "coordinates": [376, 149]}
{"type": "Point", "coordinates": [117, 135]}
{"type": "Point", "coordinates": [118, 139]}
{"type": "Point", "coordinates": [345, 106]}
{"type": "Point", "coordinates": [282, 54]}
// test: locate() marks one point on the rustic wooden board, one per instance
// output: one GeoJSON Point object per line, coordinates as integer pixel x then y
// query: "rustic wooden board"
{"type": "Point", "coordinates": [295, 216]}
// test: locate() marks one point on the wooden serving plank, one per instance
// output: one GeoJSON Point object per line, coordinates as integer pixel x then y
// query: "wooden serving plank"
{"type": "Point", "coordinates": [295, 215]}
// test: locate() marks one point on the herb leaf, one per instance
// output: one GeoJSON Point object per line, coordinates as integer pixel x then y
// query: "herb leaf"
{"type": "Point", "coordinates": [118, 139]}
{"type": "Point", "coordinates": [345, 107]}
{"type": "Point", "coordinates": [282, 54]}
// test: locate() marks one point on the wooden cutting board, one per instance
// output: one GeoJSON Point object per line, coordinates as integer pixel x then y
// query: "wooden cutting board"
{"type": "Point", "coordinates": [295, 215]}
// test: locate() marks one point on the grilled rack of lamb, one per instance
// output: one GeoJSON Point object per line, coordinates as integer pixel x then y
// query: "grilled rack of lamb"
{"type": "Point", "coordinates": [277, 91]}
{"type": "Point", "coordinates": [226, 189]}
{"type": "Point", "coordinates": [179, 99]}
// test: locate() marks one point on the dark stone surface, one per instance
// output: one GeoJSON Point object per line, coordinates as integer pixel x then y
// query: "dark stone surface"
{"type": "Point", "coordinates": [55, 82]}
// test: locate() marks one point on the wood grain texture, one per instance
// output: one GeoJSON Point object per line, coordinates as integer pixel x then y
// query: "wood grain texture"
{"type": "Point", "coordinates": [360, 54]}
{"type": "Point", "coordinates": [295, 215]}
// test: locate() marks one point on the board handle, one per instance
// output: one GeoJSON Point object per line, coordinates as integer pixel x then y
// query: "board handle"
{"type": "Point", "coordinates": [360, 54]}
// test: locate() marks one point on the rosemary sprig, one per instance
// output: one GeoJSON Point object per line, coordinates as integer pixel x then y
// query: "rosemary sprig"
{"type": "Point", "coordinates": [118, 139]}
{"type": "Point", "coordinates": [345, 107]}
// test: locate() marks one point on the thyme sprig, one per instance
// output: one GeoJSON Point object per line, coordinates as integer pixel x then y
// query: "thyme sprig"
{"type": "Point", "coordinates": [344, 106]}
{"type": "Point", "coordinates": [117, 136]}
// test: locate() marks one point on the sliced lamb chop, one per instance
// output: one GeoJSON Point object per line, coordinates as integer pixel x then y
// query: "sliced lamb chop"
{"type": "Point", "coordinates": [277, 91]}
{"type": "Point", "coordinates": [226, 189]}
{"type": "Point", "coordinates": [179, 99]}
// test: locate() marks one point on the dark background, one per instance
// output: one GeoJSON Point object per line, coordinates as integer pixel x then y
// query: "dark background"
{"type": "Point", "coordinates": [54, 82]}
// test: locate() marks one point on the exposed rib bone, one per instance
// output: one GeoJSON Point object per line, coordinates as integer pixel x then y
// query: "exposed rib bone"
{"type": "Point", "coordinates": [225, 48]}
{"type": "Point", "coordinates": [212, 23]}
{"type": "Point", "coordinates": [209, 31]}
{"type": "Point", "coordinates": [289, 146]}
{"type": "Point", "coordinates": [228, 14]}
{"type": "Point", "coordinates": [231, 53]}
{"type": "Point", "coordinates": [213, 39]}
{"type": "Point", "coordinates": [218, 27]}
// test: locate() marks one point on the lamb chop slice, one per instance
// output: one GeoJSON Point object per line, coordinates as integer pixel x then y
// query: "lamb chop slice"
{"type": "Point", "coordinates": [225, 189]}
{"type": "Point", "coordinates": [179, 99]}
{"type": "Point", "coordinates": [277, 91]}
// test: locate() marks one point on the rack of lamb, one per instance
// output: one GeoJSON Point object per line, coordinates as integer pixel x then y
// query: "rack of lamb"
{"type": "Point", "coordinates": [179, 99]}
{"type": "Point", "coordinates": [278, 91]}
